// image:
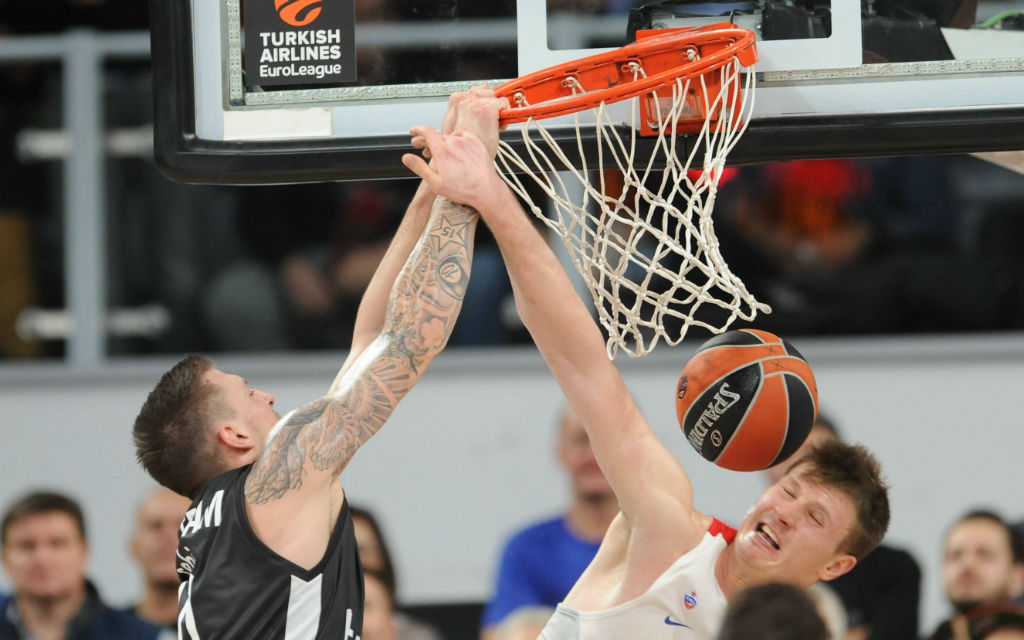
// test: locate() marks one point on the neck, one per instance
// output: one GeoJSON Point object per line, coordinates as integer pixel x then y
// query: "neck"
{"type": "Point", "coordinates": [159, 604]}
{"type": "Point", "coordinates": [727, 575]}
{"type": "Point", "coordinates": [48, 618]}
{"type": "Point", "coordinates": [589, 516]}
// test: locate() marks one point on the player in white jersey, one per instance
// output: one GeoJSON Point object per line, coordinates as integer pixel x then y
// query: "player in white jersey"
{"type": "Point", "coordinates": [829, 510]}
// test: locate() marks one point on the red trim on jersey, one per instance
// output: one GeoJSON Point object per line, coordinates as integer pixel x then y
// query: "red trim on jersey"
{"type": "Point", "coordinates": [718, 527]}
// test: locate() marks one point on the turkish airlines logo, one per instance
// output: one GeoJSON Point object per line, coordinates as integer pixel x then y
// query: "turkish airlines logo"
{"type": "Point", "coordinates": [298, 13]}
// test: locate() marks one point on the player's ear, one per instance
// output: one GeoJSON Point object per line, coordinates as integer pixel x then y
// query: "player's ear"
{"type": "Point", "coordinates": [840, 564]}
{"type": "Point", "coordinates": [233, 437]}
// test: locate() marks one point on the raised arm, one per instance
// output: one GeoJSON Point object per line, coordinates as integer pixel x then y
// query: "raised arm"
{"type": "Point", "coordinates": [319, 439]}
{"type": "Point", "coordinates": [650, 484]}
{"type": "Point", "coordinates": [316, 441]}
{"type": "Point", "coordinates": [373, 306]}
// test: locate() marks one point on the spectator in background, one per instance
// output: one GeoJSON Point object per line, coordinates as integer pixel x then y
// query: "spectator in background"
{"type": "Point", "coordinates": [375, 556]}
{"type": "Point", "coordinates": [1018, 531]}
{"type": "Point", "coordinates": [540, 563]}
{"type": "Point", "coordinates": [982, 566]}
{"type": "Point", "coordinates": [44, 551]}
{"type": "Point", "coordinates": [154, 547]}
{"type": "Point", "coordinates": [882, 593]}
{"type": "Point", "coordinates": [999, 622]}
{"type": "Point", "coordinates": [308, 253]}
{"type": "Point", "coordinates": [772, 611]}
{"type": "Point", "coordinates": [844, 246]}
{"type": "Point", "coordinates": [379, 609]}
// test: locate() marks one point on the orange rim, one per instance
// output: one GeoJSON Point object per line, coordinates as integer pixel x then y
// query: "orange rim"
{"type": "Point", "coordinates": [661, 53]}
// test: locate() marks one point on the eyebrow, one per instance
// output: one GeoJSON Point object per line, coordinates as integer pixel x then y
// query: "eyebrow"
{"type": "Point", "coordinates": [815, 505]}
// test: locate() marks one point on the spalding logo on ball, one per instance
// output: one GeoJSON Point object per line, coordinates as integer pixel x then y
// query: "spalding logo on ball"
{"type": "Point", "coordinates": [746, 400]}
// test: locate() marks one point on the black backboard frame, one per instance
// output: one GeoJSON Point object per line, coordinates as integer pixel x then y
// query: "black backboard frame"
{"type": "Point", "coordinates": [183, 156]}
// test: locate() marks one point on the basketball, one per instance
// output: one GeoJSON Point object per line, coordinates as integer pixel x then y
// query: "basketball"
{"type": "Point", "coordinates": [746, 400]}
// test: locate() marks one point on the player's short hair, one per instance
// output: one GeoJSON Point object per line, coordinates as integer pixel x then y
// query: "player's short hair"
{"type": "Point", "coordinates": [853, 470]}
{"type": "Point", "coordinates": [40, 502]}
{"type": "Point", "coordinates": [773, 611]}
{"type": "Point", "coordinates": [173, 436]}
{"type": "Point", "coordinates": [1012, 534]}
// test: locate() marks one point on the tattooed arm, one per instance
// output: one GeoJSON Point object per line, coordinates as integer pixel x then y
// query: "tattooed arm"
{"type": "Point", "coordinates": [373, 306]}
{"type": "Point", "coordinates": [374, 303]}
{"type": "Point", "coordinates": [292, 493]}
{"type": "Point", "coordinates": [319, 439]}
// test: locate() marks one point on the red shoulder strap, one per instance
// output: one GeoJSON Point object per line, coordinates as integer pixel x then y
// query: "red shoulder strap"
{"type": "Point", "coordinates": [719, 528]}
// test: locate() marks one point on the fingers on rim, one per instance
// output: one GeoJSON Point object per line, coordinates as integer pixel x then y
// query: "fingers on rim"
{"type": "Point", "coordinates": [417, 165]}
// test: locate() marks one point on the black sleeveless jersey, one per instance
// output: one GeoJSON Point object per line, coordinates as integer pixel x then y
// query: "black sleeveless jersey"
{"type": "Point", "coordinates": [234, 587]}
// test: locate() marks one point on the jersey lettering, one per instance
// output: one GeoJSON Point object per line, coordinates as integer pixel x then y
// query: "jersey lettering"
{"type": "Point", "coordinates": [196, 519]}
{"type": "Point", "coordinates": [349, 633]}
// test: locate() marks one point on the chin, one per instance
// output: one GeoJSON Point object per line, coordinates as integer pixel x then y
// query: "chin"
{"type": "Point", "coordinates": [963, 605]}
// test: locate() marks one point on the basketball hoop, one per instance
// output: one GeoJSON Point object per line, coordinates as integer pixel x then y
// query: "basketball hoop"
{"type": "Point", "coordinates": [648, 251]}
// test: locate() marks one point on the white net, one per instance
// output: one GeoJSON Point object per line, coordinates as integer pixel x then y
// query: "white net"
{"type": "Point", "coordinates": [647, 251]}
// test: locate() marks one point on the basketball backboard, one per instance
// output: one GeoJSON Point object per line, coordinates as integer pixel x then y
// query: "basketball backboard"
{"type": "Point", "coordinates": [257, 91]}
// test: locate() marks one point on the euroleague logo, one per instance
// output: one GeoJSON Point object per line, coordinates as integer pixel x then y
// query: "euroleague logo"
{"type": "Point", "coordinates": [299, 13]}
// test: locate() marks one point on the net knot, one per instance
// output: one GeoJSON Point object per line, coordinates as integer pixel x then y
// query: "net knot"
{"type": "Point", "coordinates": [692, 54]}
{"type": "Point", "coordinates": [634, 67]}
{"type": "Point", "coordinates": [571, 82]}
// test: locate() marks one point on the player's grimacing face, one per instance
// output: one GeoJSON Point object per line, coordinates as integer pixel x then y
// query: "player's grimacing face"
{"type": "Point", "coordinates": [794, 531]}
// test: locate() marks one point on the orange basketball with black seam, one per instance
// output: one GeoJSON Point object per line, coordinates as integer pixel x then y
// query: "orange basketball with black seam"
{"type": "Point", "coordinates": [746, 400]}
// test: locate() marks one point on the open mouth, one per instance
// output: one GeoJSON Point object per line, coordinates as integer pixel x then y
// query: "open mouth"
{"type": "Point", "coordinates": [768, 536]}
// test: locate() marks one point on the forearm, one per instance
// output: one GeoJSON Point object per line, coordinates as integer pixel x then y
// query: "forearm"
{"type": "Point", "coordinates": [548, 304]}
{"type": "Point", "coordinates": [427, 297]}
{"type": "Point", "coordinates": [425, 301]}
{"type": "Point", "coordinates": [373, 306]}
{"type": "Point", "coordinates": [633, 459]}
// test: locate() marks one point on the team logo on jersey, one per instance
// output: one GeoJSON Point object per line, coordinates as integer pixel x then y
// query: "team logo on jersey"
{"type": "Point", "coordinates": [186, 562]}
{"type": "Point", "coordinates": [690, 600]}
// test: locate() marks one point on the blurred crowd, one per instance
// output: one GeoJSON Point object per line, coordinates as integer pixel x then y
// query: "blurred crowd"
{"type": "Point", "coordinates": [909, 244]}
{"type": "Point", "coordinates": [44, 548]}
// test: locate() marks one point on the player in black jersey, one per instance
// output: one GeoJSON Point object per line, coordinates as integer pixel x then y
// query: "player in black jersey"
{"type": "Point", "coordinates": [267, 548]}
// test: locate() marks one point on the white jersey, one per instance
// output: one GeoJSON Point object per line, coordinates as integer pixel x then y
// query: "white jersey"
{"type": "Point", "coordinates": [685, 602]}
